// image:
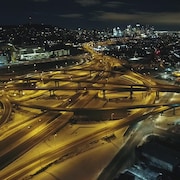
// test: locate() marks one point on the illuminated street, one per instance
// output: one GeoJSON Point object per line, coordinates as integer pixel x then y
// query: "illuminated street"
{"type": "Point", "coordinates": [76, 116]}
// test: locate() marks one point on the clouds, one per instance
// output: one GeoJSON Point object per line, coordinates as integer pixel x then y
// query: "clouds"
{"type": "Point", "coordinates": [166, 18]}
{"type": "Point", "coordinates": [112, 16]}
{"type": "Point", "coordinates": [113, 4]}
{"type": "Point", "coordinates": [86, 3]}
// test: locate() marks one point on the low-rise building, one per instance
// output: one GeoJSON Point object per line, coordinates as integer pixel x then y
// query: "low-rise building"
{"type": "Point", "coordinates": [32, 53]}
{"type": "Point", "coordinates": [160, 156]}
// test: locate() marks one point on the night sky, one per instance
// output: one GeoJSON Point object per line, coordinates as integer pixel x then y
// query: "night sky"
{"type": "Point", "coordinates": [91, 14]}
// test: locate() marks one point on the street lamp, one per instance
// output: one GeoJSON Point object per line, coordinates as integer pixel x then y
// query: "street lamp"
{"type": "Point", "coordinates": [112, 116]}
{"type": "Point", "coordinates": [55, 135]}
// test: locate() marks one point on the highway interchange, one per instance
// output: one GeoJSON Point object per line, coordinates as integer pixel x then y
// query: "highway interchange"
{"type": "Point", "coordinates": [38, 105]}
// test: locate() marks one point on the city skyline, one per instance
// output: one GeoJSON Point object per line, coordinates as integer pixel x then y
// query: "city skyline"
{"type": "Point", "coordinates": [98, 14]}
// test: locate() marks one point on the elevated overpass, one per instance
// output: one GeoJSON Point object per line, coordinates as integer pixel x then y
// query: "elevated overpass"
{"type": "Point", "coordinates": [104, 87]}
{"type": "Point", "coordinates": [105, 112]}
{"type": "Point", "coordinates": [136, 106]}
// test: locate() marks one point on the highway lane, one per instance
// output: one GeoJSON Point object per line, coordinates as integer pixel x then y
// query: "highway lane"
{"type": "Point", "coordinates": [18, 134]}
{"type": "Point", "coordinates": [84, 100]}
{"type": "Point", "coordinates": [18, 138]}
{"type": "Point", "coordinates": [72, 99]}
{"type": "Point", "coordinates": [9, 129]}
{"type": "Point", "coordinates": [28, 138]}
